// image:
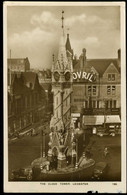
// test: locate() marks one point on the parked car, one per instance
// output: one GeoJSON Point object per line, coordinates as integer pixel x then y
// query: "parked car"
{"type": "Point", "coordinates": [112, 132]}
{"type": "Point", "coordinates": [102, 133]}
{"type": "Point", "coordinates": [21, 173]}
{"type": "Point", "coordinates": [118, 132]}
{"type": "Point", "coordinates": [99, 170]}
{"type": "Point", "coordinates": [34, 132]}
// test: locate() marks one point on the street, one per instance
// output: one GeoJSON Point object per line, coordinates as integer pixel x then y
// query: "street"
{"type": "Point", "coordinates": [24, 150]}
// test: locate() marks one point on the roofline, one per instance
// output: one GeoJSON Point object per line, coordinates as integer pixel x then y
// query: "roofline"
{"type": "Point", "coordinates": [17, 58]}
{"type": "Point", "coordinates": [102, 59]}
{"type": "Point", "coordinates": [108, 67]}
{"type": "Point", "coordinates": [98, 59]}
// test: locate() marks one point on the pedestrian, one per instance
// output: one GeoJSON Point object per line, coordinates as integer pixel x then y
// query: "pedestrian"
{"type": "Point", "coordinates": [106, 152]}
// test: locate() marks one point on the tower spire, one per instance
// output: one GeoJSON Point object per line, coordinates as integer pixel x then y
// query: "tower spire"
{"type": "Point", "coordinates": [62, 22]}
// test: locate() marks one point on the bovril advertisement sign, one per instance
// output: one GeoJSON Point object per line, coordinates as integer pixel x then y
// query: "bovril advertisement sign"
{"type": "Point", "coordinates": [83, 75]}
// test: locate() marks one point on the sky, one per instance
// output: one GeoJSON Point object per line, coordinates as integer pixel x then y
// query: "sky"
{"type": "Point", "coordinates": [34, 32]}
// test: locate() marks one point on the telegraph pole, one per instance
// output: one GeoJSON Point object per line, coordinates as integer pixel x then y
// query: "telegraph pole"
{"type": "Point", "coordinates": [76, 165]}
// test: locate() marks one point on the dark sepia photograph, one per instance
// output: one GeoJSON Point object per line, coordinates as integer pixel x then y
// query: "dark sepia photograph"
{"type": "Point", "coordinates": [64, 71]}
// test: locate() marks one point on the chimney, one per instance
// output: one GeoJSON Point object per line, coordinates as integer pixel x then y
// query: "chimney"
{"type": "Point", "coordinates": [119, 54]}
{"type": "Point", "coordinates": [119, 58]}
{"type": "Point", "coordinates": [84, 52]}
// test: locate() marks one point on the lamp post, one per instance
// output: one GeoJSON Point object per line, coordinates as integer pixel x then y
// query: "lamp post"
{"type": "Point", "coordinates": [76, 164]}
{"type": "Point", "coordinates": [73, 146]}
{"type": "Point", "coordinates": [46, 92]}
{"type": "Point", "coordinates": [104, 112]}
{"type": "Point", "coordinates": [43, 144]}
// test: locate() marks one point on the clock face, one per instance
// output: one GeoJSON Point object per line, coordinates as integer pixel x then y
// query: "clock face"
{"type": "Point", "coordinates": [67, 76]}
{"type": "Point", "coordinates": [56, 76]}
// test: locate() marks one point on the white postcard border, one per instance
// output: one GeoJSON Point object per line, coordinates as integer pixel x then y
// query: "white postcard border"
{"type": "Point", "coordinates": [112, 187]}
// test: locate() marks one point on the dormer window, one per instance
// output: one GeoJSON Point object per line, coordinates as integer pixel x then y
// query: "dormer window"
{"type": "Point", "coordinates": [111, 77]}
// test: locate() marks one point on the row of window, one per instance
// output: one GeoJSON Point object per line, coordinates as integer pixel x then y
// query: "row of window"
{"type": "Point", "coordinates": [98, 104]}
{"type": "Point", "coordinates": [91, 104]}
{"type": "Point", "coordinates": [92, 90]}
{"type": "Point", "coordinates": [14, 67]}
{"type": "Point", "coordinates": [110, 104]}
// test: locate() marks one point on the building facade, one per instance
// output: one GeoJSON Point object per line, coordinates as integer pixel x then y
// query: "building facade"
{"type": "Point", "coordinates": [96, 87]}
{"type": "Point", "coordinates": [18, 64]}
{"type": "Point", "coordinates": [26, 101]}
{"type": "Point", "coordinates": [45, 79]}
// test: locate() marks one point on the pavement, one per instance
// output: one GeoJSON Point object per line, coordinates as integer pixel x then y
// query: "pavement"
{"type": "Point", "coordinates": [23, 151]}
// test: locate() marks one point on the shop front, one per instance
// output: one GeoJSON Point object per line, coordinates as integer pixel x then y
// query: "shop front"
{"type": "Point", "coordinates": [76, 119]}
{"type": "Point", "coordinates": [105, 122]}
{"type": "Point", "coordinates": [92, 122]}
{"type": "Point", "coordinates": [113, 122]}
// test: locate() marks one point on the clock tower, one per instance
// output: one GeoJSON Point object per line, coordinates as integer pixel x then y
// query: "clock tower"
{"type": "Point", "coordinates": [62, 79]}
{"type": "Point", "coordinates": [61, 137]}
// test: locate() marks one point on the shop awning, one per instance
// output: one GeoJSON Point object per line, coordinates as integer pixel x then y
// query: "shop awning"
{"type": "Point", "coordinates": [112, 119]}
{"type": "Point", "coordinates": [75, 115]}
{"type": "Point", "coordinates": [93, 120]}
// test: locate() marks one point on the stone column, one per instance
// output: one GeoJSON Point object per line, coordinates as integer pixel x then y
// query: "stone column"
{"type": "Point", "coordinates": [62, 104]}
{"type": "Point", "coordinates": [61, 157]}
